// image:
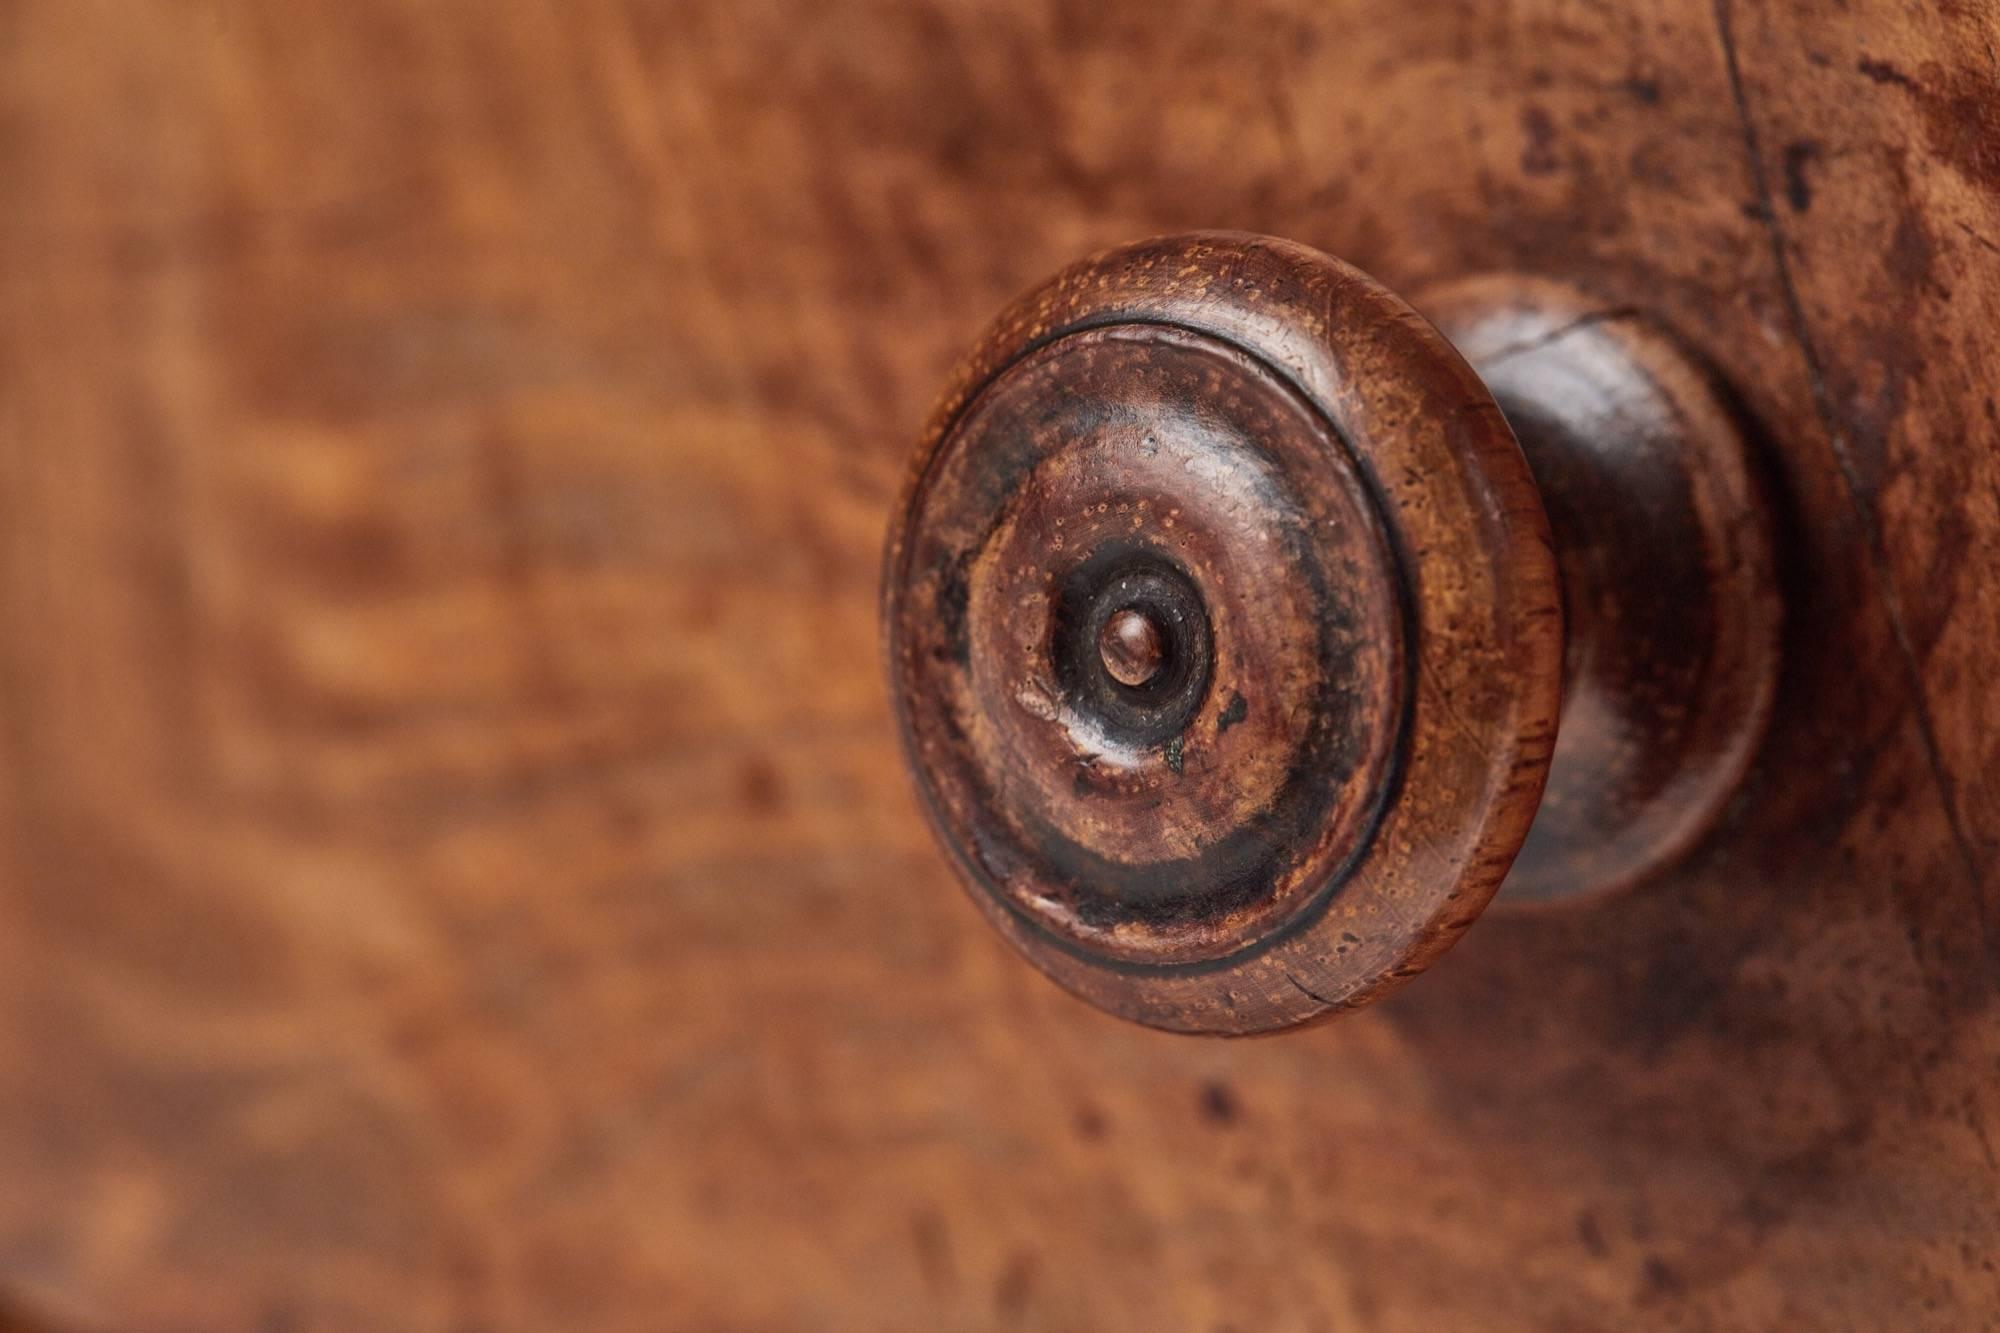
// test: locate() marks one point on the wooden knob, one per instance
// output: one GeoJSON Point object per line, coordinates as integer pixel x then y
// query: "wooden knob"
{"type": "Point", "coordinates": [1226, 629]}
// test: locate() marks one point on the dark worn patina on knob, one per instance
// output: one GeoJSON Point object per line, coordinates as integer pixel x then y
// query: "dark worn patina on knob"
{"type": "Point", "coordinates": [1226, 637]}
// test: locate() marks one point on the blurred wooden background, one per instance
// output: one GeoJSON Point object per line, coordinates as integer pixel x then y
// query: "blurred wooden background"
{"type": "Point", "coordinates": [456, 875]}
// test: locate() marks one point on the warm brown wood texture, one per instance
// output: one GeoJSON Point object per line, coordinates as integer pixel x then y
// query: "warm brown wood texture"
{"type": "Point", "coordinates": [458, 876]}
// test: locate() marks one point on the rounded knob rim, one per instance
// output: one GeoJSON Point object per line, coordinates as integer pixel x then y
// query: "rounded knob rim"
{"type": "Point", "coordinates": [1465, 664]}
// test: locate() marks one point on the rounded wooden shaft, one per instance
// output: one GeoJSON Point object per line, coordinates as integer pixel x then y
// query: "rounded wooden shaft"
{"type": "Point", "coordinates": [1225, 621]}
{"type": "Point", "coordinates": [1663, 541]}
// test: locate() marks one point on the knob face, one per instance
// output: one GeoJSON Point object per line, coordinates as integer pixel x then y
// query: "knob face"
{"type": "Point", "coordinates": [1181, 797]}
{"type": "Point", "coordinates": [1223, 633]}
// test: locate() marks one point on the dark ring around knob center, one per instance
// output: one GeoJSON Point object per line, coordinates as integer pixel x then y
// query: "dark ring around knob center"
{"type": "Point", "coordinates": [1132, 587]}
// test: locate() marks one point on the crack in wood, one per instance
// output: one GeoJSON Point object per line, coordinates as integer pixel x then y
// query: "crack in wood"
{"type": "Point", "coordinates": [1839, 446]}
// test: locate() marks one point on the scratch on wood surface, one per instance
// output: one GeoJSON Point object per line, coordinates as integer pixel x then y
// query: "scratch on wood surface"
{"type": "Point", "coordinates": [1838, 439]}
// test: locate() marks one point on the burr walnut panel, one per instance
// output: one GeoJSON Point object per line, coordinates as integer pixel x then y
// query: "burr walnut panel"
{"type": "Point", "coordinates": [457, 872]}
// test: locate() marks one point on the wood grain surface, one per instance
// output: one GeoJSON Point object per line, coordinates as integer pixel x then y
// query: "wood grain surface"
{"type": "Point", "coordinates": [457, 875]}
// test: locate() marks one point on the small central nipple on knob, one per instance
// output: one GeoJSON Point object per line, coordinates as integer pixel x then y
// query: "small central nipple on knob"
{"type": "Point", "coordinates": [1133, 647]}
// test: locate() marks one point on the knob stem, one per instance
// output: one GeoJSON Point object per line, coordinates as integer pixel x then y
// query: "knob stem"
{"type": "Point", "coordinates": [1662, 539]}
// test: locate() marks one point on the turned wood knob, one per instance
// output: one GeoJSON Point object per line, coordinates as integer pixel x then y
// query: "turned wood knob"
{"type": "Point", "coordinates": [1230, 626]}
